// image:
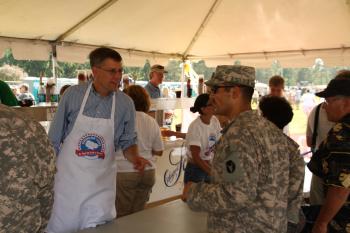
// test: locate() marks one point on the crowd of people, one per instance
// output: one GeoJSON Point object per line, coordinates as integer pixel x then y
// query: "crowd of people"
{"type": "Point", "coordinates": [98, 160]}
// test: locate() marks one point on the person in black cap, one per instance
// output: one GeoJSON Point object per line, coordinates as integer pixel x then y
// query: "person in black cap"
{"type": "Point", "coordinates": [201, 137]}
{"type": "Point", "coordinates": [331, 162]}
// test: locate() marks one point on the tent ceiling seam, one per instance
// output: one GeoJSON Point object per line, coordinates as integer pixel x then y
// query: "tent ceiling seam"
{"type": "Point", "coordinates": [126, 50]}
{"type": "Point", "coordinates": [267, 53]}
{"type": "Point", "coordinates": [88, 18]}
{"type": "Point", "coordinates": [201, 27]}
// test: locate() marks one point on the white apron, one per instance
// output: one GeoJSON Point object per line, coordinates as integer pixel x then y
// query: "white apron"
{"type": "Point", "coordinates": [86, 175]}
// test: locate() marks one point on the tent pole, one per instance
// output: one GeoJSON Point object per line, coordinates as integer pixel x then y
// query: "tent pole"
{"type": "Point", "coordinates": [202, 26]}
{"type": "Point", "coordinates": [54, 61]}
{"type": "Point", "coordinates": [183, 77]}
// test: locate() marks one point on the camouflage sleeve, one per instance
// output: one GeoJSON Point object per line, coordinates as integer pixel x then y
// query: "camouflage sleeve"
{"type": "Point", "coordinates": [44, 162]}
{"type": "Point", "coordinates": [295, 187]}
{"type": "Point", "coordinates": [27, 173]}
{"type": "Point", "coordinates": [336, 165]}
{"type": "Point", "coordinates": [237, 188]}
{"type": "Point", "coordinates": [338, 170]}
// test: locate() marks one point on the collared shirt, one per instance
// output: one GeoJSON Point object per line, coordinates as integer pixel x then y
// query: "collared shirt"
{"type": "Point", "coordinates": [98, 107]}
{"type": "Point", "coordinates": [153, 91]}
{"type": "Point", "coordinates": [257, 179]}
{"type": "Point", "coordinates": [331, 162]}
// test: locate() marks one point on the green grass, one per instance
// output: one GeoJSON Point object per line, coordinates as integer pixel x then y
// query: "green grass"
{"type": "Point", "coordinates": [299, 122]}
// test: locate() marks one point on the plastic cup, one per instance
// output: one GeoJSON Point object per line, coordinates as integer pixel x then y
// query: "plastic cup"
{"type": "Point", "coordinates": [178, 93]}
{"type": "Point", "coordinates": [178, 127]}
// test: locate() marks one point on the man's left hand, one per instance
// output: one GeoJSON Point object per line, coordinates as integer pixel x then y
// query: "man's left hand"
{"type": "Point", "coordinates": [185, 191]}
{"type": "Point", "coordinates": [140, 163]}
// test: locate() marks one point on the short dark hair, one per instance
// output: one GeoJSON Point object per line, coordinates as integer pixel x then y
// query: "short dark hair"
{"type": "Point", "coordinates": [25, 86]}
{"type": "Point", "coordinates": [276, 80]}
{"type": "Point", "coordinates": [98, 55]}
{"type": "Point", "coordinates": [277, 110]}
{"type": "Point", "coordinates": [140, 97]}
{"type": "Point", "coordinates": [200, 102]}
{"type": "Point", "coordinates": [247, 92]}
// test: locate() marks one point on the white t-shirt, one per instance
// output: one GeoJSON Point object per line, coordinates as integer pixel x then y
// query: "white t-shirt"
{"type": "Point", "coordinates": [148, 139]}
{"type": "Point", "coordinates": [323, 125]}
{"type": "Point", "coordinates": [203, 135]}
{"type": "Point", "coordinates": [286, 130]}
{"type": "Point", "coordinates": [308, 99]}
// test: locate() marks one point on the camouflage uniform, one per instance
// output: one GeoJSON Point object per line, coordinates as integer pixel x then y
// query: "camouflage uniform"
{"type": "Point", "coordinates": [257, 179]}
{"type": "Point", "coordinates": [331, 162]}
{"type": "Point", "coordinates": [27, 174]}
{"type": "Point", "coordinates": [257, 172]}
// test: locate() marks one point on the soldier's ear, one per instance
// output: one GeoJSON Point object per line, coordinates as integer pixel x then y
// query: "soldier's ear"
{"type": "Point", "coordinates": [347, 104]}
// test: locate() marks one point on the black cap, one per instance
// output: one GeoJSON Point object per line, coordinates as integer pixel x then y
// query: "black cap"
{"type": "Point", "coordinates": [201, 101]}
{"type": "Point", "coordinates": [336, 87]}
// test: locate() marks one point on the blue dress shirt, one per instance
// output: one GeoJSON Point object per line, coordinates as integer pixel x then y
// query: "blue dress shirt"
{"type": "Point", "coordinates": [97, 106]}
{"type": "Point", "coordinates": [153, 91]}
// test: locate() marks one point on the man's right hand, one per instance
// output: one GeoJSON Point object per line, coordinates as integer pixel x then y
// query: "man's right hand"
{"type": "Point", "coordinates": [319, 228]}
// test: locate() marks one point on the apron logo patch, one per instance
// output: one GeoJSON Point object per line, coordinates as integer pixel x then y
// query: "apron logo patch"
{"type": "Point", "coordinates": [91, 146]}
{"type": "Point", "coordinates": [230, 166]}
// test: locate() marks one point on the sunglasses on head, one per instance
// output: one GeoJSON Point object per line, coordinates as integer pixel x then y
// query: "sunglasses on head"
{"type": "Point", "coordinates": [159, 67]}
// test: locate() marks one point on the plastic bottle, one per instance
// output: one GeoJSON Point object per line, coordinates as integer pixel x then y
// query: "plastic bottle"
{"type": "Point", "coordinates": [200, 85]}
{"type": "Point", "coordinates": [41, 91]}
{"type": "Point", "coordinates": [189, 88]}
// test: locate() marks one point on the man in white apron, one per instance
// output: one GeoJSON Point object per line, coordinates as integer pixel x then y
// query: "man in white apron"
{"type": "Point", "coordinates": [91, 122]}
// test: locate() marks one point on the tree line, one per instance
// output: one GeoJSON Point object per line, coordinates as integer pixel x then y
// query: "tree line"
{"type": "Point", "coordinates": [318, 74]}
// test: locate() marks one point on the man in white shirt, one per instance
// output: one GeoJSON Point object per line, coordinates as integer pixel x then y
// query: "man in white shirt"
{"type": "Point", "coordinates": [276, 85]}
{"type": "Point", "coordinates": [317, 194]}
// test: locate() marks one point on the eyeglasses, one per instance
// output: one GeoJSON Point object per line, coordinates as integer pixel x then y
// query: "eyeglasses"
{"type": "Point", "coordinates": [112, 72]}
{"type": "Point", "coordinates": [214, 89]}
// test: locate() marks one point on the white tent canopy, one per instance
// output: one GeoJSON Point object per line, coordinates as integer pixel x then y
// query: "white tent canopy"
{"type": "Point", "coordinates": [218, 31]}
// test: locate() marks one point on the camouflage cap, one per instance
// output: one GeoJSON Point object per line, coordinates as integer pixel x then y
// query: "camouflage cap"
{"type": "Point", "coordinates": [226, 75]}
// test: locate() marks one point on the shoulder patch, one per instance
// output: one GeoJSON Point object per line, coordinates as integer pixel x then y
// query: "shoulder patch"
{"type": "Point", "coordinates": [232, 169]}
{"type": "Point", "coordinates": [230, 166]}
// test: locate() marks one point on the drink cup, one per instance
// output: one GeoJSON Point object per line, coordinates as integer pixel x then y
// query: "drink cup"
{"type": "Point", "coordinates": [178, 93]}
{"type": "Point", "coordinates": [178, 127]}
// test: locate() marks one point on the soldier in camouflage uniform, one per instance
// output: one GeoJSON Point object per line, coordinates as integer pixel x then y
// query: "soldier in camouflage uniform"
{"type": "Point", "coordinates": [257, 170]}
{"type": "Point", "coordinates": [331, 162]}
{"type": "Point", "coordinates": [26, 173]}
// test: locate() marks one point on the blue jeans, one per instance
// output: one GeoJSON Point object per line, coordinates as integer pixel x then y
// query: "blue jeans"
{"type": "Point", "coordinates": [194, 174]}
